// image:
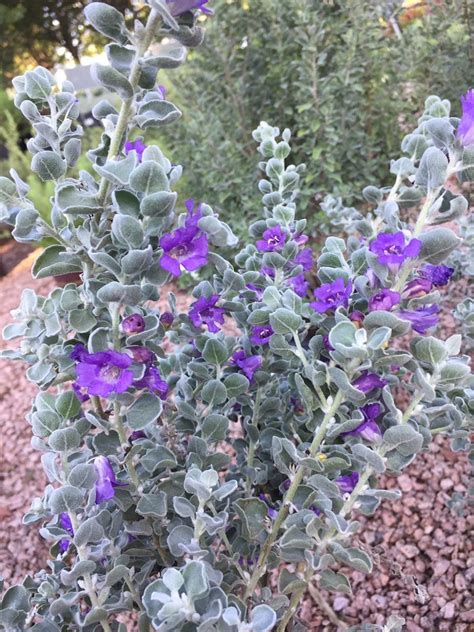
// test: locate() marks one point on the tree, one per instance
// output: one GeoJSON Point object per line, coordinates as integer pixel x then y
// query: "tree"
{"type": "Point", "coordinates": [42, 32]}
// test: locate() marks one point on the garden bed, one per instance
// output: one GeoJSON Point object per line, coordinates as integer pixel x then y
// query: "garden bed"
{"type": "Point", "coordinates": [420, 542]}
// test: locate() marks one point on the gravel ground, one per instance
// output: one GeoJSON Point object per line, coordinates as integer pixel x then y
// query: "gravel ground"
{"type": "Point", "coordinates": [421, 543]}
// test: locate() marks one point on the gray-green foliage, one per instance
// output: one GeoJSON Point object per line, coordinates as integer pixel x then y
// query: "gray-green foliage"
{"type": "Point", "coordinates": [332, 72]}
{"type": "Point", "coordinates": [175, 505]}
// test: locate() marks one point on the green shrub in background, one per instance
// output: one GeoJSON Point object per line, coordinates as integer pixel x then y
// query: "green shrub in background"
{"type": "Point", "coordinates": [332, 71]}
{"type": "Point", "coordinates": [11, 129]}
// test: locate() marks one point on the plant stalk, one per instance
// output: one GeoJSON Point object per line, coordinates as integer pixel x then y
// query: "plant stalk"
{"type": "Point", "coordinates": [420, 224]}
{"type": "Point", "coordinates": [260, 566]}
{"type": "Point", "coordinates": [126, 108]}
{"type": "Point", "coordinates": [82, 554]}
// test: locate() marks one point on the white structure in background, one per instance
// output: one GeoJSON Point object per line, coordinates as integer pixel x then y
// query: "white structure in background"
{"type": "Point", "coordinates": [89, 93]}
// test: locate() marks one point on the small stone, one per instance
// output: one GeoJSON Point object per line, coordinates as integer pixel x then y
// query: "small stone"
{"type": "Point", "coordinates": [405, 483]}
{"type": "Point", "coordinates": [379, 600]}
{"type": "Point", "coordinates": [340, 603]}
{"type": "Point", "coordinates": [409, 550]}
{"type": "Point", "coordinates": [440, 567]}
{"type": "Point", "coordinates": [460, 581]}
{"type": "Point", "coordinates": [448, 610]}
{"type": "Point", "coordinates": [446, 483]}
{"type": "Point", "coordinates": [420, 566]}
{"type": "Point", "coordinates": [384, 579]}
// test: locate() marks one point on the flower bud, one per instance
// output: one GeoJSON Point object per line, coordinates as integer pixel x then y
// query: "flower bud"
{"type": "Point", "coordinates": [133, 324]}
{"type": "Point", "coordinates": [166, 319]}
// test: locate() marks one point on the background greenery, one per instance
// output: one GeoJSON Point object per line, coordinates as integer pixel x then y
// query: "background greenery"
{"type": "Point", "coordinates": [336, 73]}
{"type": "Point", "coordinates": [344, 76]}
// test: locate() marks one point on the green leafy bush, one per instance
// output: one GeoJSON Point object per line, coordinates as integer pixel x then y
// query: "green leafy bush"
{"type": "Point", "coordinates": [332, 72]}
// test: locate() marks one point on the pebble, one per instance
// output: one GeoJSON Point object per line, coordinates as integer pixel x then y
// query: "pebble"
{"type": "Point", "coordinates": [409, 550]}
{"type": "Point", "coordinates": [340, 603]}
{"type": "Point", "coordinates": [440, 567]}
{"type": "Point", "coordinates": [449, 609]}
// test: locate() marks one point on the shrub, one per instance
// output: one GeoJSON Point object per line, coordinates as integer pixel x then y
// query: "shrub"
{"type": "Point", "coordinates": [332, 72]}
{"type": "Point", "coordinates": [202, 478]}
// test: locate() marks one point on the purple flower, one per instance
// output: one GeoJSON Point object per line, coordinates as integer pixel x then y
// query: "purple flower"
{"type": "Point", "coordinates": [438, 275]}
{"type": "Point", "coordinates": [357, 317]}
{"type": "Point", "coordinates": [297, 406]}
{"type": "Point", "coordinates": [268, 271]}
{"type": "Point", "coordinates": [465, 131]}
{"type": "Point", "coordinates": [327, 345]}
{"type": "Point", "coordinates": [137, 434]}
{"type": "Point", "coordinates": [368, 429]}
{"type": "Point", "coordinates": [391, 248]}
{"type": "Point", "coordinates": [299, 284]}
{"type": "Point", "coordinates": [261, 334]}
{"type": "Point", "coordinates": [66, 524]}
{"type": "Point", "coordinates": [416, 288]}
{"type": "Point", "coordinates": [272, 513]}
{"type": "Point", "coordinates": [300, 239]}
{"type": "Point", "coordinates": [102, 373]}
{"type": "Point", "coordinates": [305, 259]}
{"type": "Point", "coordinates": [187, 246]}
{"type": "Point", "coordinates": [421, 319]}
{"type": "Point", "coordinates": [135, 145]}
{"type": "Point", "coordinates": [384, 300]}
{"type": "Point", "coordinates": [247, 364]}
{"type": "Point", "coordinates": [348, 482]}
{"type": "Point", "coordinates": [166, 319]}
{"type": "Point", "coordinates": [80, 392]}
{"type": "Point", "coordinates": [372, 278]}
{"type": "Point", "coordinates": [257, 290]}
{"type": "Point", "coordinates": [160, 88]}
{"type": "Point", "coordinates": [204, 312]}
{"type": "Point", "coordinates": [142, 355]}
{"type": "Point", "coordinates": [332, 295]}
{"type": "Point", "coordinates": [367, 382]}
{"type": "Point", "coordinates": [106, 481]}
{"type": "Point", "coordinates": [273, 239]}
{"type": "Point", "coordinates": [133, 324]}
{"type": "Point", "coordinates": [177, 7]}
{"type": "Point", "coordinates": [153, 381]}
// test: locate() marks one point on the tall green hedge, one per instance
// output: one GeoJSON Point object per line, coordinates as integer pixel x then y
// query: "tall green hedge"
{"type": "Point", "coordinates": [332, 71]}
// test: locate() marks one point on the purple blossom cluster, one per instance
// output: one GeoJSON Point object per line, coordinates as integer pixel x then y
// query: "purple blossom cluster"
{"type": "Point", "coordinates": [368, 382]}
{"type": "Point", "coordinates": [248, 364]}
{"type": "Point", "coordinates": [106, 372]}
{"type": "Point", "coordinates": [133, 324]}
{"type": "Point", "coordinates": [186, 247]}
{"type": "Point", "coordinates": [205, 312]}
{"type": "Point", "coordinates": [274, 240]}
{"type": "Point", "coordinates": [105, 482]}
{"type": "Point", "coordinates": [465, 131]}
{"type": "Point", "coordinates": [178, 7]}
{"type": "Point", "coordinates": [137, 146]}
{"type": "Point", "coordinates": [102, 373]}
{"type": "Point", "coordinates": [261, 334]}
{"type": "Point", "coordinates": [330, 296]}
{"type": "Point", "coordinates": [392, 248]}
{"type": "Point", "coordinates": [368, 429]}
{"type": "Point", "coordinates": [348, 482]}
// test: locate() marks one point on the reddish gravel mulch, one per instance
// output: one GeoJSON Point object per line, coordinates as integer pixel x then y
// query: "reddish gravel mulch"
{"type": "Point", "coordinates": [420, 540]}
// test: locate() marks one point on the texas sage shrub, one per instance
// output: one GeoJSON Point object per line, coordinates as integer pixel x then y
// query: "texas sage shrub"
{"type": "Point", "coordinates": [204, 464]}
